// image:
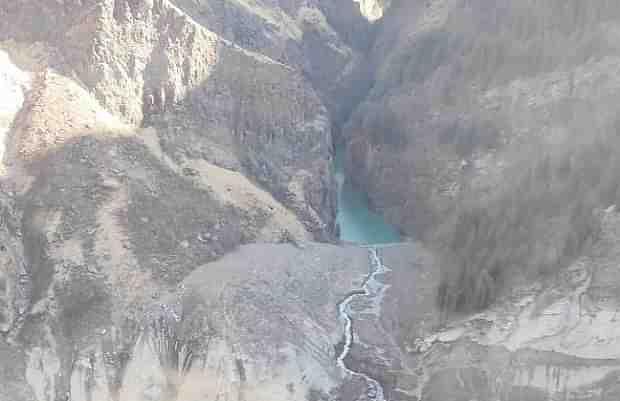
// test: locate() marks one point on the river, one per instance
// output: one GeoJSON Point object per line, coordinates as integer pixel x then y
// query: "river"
{"type": "Point", "coordinates": [358, 224]}
{"type": "Point", "coordinates": [373, 290]}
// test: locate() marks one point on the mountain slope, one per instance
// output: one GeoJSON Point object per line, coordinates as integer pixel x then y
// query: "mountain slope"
{"type": "Point", "coordinates": [138, 145]}
{"type": "Point", "coordinates": [464, 89]}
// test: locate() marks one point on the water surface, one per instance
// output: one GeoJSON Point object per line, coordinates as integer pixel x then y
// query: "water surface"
{"type": "Point", "coordinates": [358, 224]}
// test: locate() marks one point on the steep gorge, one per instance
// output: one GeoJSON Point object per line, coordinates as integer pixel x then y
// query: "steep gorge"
{"type": "Point", "coordinates": [463, 89]}
{"type": "Point", "coordinates": [168, 164]}
{"type": "Point", "coordinates": [144, 139]}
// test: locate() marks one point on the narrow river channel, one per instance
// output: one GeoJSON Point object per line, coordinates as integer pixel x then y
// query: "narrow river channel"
{"type": "Point", "coordinates": [358, 224]}
{"type": "Point", "coordinates": [373, 290]}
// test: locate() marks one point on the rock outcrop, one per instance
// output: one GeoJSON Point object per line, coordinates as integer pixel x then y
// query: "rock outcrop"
{"type": "Point", "coordinates": [326, 40]}
{"type": "Point", "coordinates": [141, 140]}
{"type": "Point", "coordinates": [151, 64]}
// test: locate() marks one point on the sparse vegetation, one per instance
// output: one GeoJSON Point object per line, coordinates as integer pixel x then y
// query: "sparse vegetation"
{"type": "Point", "coordinates": [539, 221]}
{"type": "Point", "coordinates": [179, 339]}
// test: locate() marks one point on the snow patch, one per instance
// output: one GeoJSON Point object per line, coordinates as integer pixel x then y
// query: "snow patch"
{"type": "Point", "coordinates": [13, 84]}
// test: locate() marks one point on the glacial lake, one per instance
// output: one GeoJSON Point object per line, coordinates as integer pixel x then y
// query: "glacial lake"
{"type": "Point", "coordinates": [358, 224]}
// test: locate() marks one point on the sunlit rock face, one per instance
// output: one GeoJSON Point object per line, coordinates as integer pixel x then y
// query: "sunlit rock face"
{"type": "Point", "coordinates": [372, 9]}
{"type": "Point", "coordinates": [13, 83]}
{"type": "Point", "coordinates": [209, 99]}
{"type": "Point", "coordinates": [139, 144]}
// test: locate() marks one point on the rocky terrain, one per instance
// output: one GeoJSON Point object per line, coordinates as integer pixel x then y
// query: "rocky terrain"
{"type": "Point", "coordinates": [555, 339]}
{"type": "Point", "coordinates": [168, 200]}
{"type": "Point", "coordinates": [142, 140]}
{"type": "Point", "coordinates": [152, 65]}
{"type": "Point", "coordinates": [465, 89]}
{"type": "Point", "coordinates": [138, 144]}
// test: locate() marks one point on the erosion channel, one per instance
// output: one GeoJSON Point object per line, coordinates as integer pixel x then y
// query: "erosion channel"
{"type": "Point", "coordinates": [359, 225]}
{"type": "Point", "coordinates": [373, 289]}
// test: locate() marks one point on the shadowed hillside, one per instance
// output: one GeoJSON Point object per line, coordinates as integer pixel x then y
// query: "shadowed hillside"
{"type": "Point", "coordinates": [545, 215]}
{"type": "Point", "coordinates": [461, 86]}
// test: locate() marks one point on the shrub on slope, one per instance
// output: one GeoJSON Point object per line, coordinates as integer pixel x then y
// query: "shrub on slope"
{"type": "Point", "coordinates": [543, 217]}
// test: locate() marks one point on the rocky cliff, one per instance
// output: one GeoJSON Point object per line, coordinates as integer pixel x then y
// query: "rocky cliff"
{"type": "Point", "coordinates": [151, 64]}
{"type": "Point", "coordinates": [139, 142]}
{"type": "Point", "coordinates": [464, 89]}
{"type": "Point", "coordinates": [471, 106]}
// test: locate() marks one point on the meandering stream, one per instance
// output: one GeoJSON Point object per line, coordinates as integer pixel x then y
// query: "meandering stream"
{"type": "Point", "coordinates": [372, 289]}
{"type": "Point", "coordinates": [359, 225]}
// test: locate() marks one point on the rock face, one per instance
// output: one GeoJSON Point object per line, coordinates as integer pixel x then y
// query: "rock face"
{"type": "Point", "coordinates": [324, 39]}
{"type": "Point", "coordinates": [463, 89]}
{"type": "Point", "coordinates": [373, 9]}
{"type": "Point", "coordinates": [137, 145]}
{"type": "Point", "coordinates": [464, 92]}
{"type": "Point", "coordinates": [152, 64]}
{"type": "Point", "coordinates": [141, 140]}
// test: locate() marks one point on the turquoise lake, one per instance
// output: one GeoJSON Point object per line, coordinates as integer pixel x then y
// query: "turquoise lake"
{"type": "Point", "coordinates": [358, 224]}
